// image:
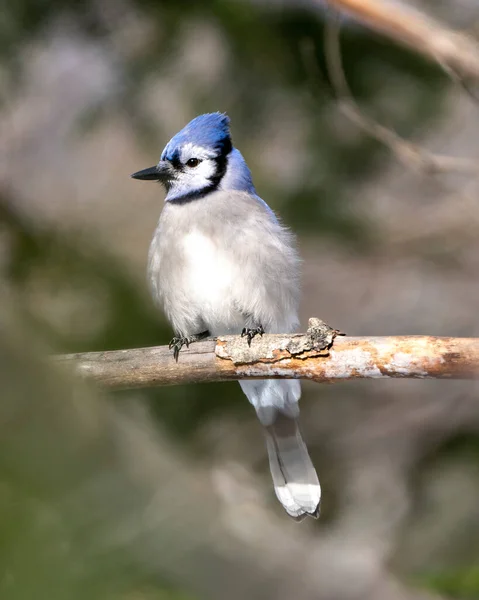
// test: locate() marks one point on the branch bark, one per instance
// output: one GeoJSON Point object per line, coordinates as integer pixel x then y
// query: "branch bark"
{"type": "Point", "coordinates": [454, 51]}
{"type": "Point", "coordinates": [282, 356]}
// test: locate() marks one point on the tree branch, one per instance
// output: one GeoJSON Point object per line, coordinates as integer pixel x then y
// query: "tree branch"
{"type": "Point", "coordinates": [410, 154]}
{"type": "Point", "coordinates": [282, 356]}
{"type": "Point", "coordinates": [454, 51]}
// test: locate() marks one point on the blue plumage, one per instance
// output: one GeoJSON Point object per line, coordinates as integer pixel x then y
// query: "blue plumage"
{"type": "Point", "coordinates": [210, 130]}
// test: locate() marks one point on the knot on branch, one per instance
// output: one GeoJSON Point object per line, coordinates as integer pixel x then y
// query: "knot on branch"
{"type": "Point", "coordinates": [279, 347]}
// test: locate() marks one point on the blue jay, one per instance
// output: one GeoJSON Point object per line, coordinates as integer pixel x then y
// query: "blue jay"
{"type": "Point", "coordinates": [220, 263]}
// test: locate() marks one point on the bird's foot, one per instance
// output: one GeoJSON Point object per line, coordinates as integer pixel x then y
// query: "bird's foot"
{"type": "Point", "coordinates": [251, 333]}
{"type": "Point", "coordinates": [177, 343]}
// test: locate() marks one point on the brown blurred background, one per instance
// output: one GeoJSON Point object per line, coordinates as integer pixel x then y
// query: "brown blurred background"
{"type": "Point", "coordinates": [166, 493]}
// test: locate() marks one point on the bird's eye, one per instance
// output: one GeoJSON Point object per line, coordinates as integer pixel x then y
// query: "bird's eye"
{"type": "Point", "coordinates": [193, 162]}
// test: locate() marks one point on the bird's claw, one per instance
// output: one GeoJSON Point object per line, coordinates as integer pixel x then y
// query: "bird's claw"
{"type": "Point", "coordinates": [251, 333]}
{"type": "Point", "coordinates": [177, 344]}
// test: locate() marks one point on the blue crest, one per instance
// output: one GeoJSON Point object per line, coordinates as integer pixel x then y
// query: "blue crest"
{"type": "Point", "coordinates": [210, 130]}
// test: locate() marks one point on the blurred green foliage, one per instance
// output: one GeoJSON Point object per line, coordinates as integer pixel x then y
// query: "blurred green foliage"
{"type": "Point", "coordinates": [447, 566]}
{"type": "Point", "coordinates": [71, 515]}
{"type": "Point", "coordinates": [460, 583]}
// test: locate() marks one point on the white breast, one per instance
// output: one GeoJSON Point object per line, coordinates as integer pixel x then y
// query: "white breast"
{"type": "Point", "coordinates": [209, 276]}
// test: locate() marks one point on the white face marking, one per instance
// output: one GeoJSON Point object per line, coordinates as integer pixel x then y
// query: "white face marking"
{"type": "Point", "coordinates": [193, 179]}
{"type": "Point", "coordinates": [190, 150]}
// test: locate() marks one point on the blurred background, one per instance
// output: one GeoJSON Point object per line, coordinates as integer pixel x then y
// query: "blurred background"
{"type": "Point", "coordinates": [166, 493]}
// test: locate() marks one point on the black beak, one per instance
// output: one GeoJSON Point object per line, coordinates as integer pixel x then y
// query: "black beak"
{"type": "Point", "coordinates": [160, 172]}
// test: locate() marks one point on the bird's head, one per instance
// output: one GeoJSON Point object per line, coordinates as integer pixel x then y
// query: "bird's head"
{"type": "Point", "coordinates": [198, 160]}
